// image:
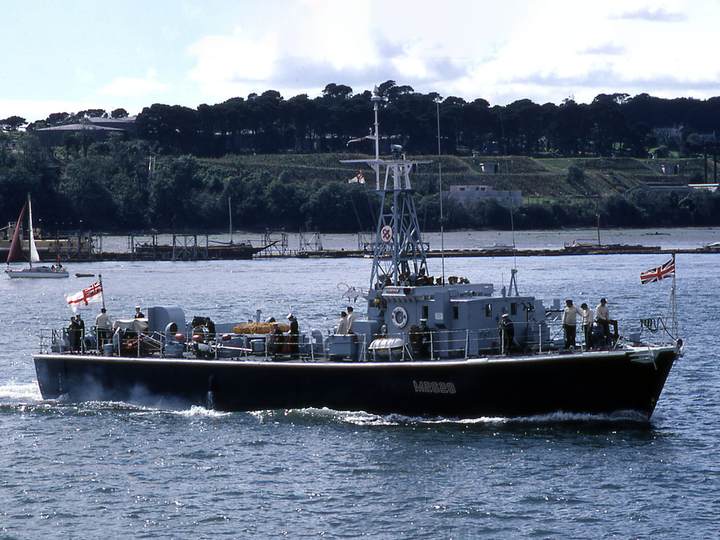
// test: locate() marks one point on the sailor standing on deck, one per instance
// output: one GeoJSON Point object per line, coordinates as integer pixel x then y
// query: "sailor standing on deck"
{"type": "Point", "coordinates": [506, 329]}
{"type": "Point", "coordinates": [275, 339]}
{"type": "Point", "coordinates": [294, 336]}
{"type": "Point", "coordinates": [102, 320]}
{"type": "Point", "coordinates": [569, 322]}
{"type": "Point", "coordinates": [81, 331]}
{"type": "Point", "coordinates": [102, 328]}
{"type": "Point", "coordinates": [350, 320]}
{"type": "Point", "coordinates": [602, 316]}
{"type": "Point", "coordinates": [139, 314]}
{"type": "Point", "coordinates": [73, 333]}
{"type": "Point", "coordinates": [210, 328]}
{"type": "Point", "coordinates": [342, 327]}
{"type": "Point", "coordinates": [587, 322]}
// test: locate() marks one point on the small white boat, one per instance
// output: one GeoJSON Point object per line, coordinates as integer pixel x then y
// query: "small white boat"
{"type": "Point", "coordinates": [38, 272]}
{"type": "Point", "coordinates": [16, 253]}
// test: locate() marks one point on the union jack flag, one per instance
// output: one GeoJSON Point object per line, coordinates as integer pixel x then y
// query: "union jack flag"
{"type": "Point", "coordinates": [658, 274]}
{"type": "Point", "coordinates": [94, 293]}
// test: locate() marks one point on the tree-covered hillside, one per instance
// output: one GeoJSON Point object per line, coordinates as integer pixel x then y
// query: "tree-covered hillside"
{"type": "Point", "coordinates": [123, 186]}
{"type": "Point", "coordinates": [277, 161]}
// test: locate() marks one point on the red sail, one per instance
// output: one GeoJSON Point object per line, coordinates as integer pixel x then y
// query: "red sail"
{"type": "Point", "coordinates": [16, 252]}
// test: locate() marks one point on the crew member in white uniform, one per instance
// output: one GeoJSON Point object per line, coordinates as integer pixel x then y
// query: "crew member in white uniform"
{"type": "Point", "coordinates": [569, 322]}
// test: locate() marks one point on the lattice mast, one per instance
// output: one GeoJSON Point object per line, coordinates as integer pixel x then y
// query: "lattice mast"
{"type": "Point", "coordinates": [399, 251]}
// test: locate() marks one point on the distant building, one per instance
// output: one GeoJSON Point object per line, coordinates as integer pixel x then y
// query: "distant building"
{"type": "Point", "coordinates": [98, 129]}
{"type": "Point", "coordinates": [668, 133]}
{"type": "Point", "coordinates": [469, 194]}
{"type": "Point", "coordinates": [709, 187]}
{"type": "Point", "coordinates": [126, 123]}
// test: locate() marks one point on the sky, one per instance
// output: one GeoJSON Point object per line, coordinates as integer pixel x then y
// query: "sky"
{"type": "Point", "coordinates": [72, 55]}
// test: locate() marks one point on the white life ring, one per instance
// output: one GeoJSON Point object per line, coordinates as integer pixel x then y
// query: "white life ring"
{"type": "Point", "coordinates": [399, 317]}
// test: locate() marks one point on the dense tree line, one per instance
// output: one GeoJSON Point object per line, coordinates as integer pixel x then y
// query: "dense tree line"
{"type": "Point", "coordinates": [615, 124]}
{"type": "Point", "coordinates": [161, 178]}
{"type": "Point", "coordinates": [636, 210]}
{"type": "Point", "coordinates": [112, 188]}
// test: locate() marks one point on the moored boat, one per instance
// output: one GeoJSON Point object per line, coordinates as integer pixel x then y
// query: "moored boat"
{"type": "Point", "coordinates": [582, 247]}
{"type": "Point", "coordinates": [429, 346]}
{"type": "Point", "coordinates": [51, 272]}
{"type": "Point", "coordinates": [16, 253]}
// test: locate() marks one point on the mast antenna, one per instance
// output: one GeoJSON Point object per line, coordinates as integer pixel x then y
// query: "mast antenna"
{"type": "Point", "coordinates": [230, 216]}
{"type": "Point", "coordinates": [440, 185]}
{"type": "Point", "coordinates": [399, 252]}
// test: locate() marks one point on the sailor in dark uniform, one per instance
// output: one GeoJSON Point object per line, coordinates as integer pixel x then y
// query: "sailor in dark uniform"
{"type": "Point", "coordinates": [294, 336]}
{"type": "Point", "coordinates": [275, 340]}
{"type": "Point", "coordinates": [73, 332]}
{"type": "Point", "coordinates": [210, 328]}
{"type": "Point", "coordinates": [507, 333]}
{"type": "Point", "coordinates": [425, 339]}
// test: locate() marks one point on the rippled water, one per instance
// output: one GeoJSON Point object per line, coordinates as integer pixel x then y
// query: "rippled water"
{"type": "Point", "coordinates": [101, 469]}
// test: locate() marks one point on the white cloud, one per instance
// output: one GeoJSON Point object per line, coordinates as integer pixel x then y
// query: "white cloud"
{"type": "Point", "coordinates": [227, 65]}
{"type": "Point", "coordinates": [134, 87]}
{"type": "Point", "coordinates": [497, 51]}
{"type": "Point", "coordinates": [653, 14]}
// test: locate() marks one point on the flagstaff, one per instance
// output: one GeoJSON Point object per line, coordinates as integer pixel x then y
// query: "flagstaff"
{"type": "Point", "coordinates": [101, 288]}
{"type": "Point", "coordinates": [654, 275]}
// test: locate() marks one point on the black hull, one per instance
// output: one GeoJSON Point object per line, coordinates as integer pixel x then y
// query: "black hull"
{"type": "Point", "coordinates": [594, 383]}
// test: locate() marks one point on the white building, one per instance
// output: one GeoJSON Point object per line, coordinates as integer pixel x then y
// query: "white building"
{"type": "Point", "coordinates": [469, 194]}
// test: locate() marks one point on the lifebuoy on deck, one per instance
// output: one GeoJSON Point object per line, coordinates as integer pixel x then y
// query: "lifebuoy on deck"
{"type": "Point", "coordinates": [399, 317]}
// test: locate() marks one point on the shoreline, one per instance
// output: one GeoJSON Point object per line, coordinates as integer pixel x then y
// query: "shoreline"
{"type": "Point", "coordinates": [449, 253]}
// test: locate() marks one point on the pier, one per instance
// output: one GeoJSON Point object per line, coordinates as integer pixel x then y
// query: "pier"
{"type": "Point", "coordinates": [84, 247]}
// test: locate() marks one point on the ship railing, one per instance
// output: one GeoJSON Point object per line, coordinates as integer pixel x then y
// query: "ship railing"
{"type": "Point", "coordinates": [529, 337]}
{"type": "Point", "coordinates": [243, 352]}
{"type": "Point", "coordinates": [557, 334]}
{"type": "Point", "coordinates": [655, 326]}
{"type": "Point", "coordinates": [58, 340]}
{"type": "Point", "coordinates": [103, 336]}
{"type": "Point", "coordinates": [48, 337]}
{"type": "Point", "coordinates": [267, 353]}
{"type": "Point", "coordinates": [363, 347]}
{"type": "Point", "coordinates": [612, 340]}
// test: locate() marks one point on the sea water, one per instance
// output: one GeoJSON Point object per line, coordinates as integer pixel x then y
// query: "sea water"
{"type": "Point", "coordinates": [97, 470]}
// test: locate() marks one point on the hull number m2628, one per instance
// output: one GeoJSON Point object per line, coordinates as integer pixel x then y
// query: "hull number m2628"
{"type": "Point", "coordinates": [433, 387]}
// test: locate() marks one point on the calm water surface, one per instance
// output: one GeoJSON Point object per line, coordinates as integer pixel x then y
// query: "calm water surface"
{"type": "Point", "coordinates": [101, 469]}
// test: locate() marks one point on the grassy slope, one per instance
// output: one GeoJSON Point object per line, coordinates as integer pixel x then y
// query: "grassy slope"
{"type": "Point", "coordinates": [543, 179]}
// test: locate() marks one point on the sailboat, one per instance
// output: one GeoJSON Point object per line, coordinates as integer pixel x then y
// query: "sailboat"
{"type": "Point", "coordinates": [16, 253]}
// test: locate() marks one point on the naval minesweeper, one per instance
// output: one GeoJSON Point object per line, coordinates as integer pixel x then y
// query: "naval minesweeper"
{"type": "Point", "coordinates": [427, 347]}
